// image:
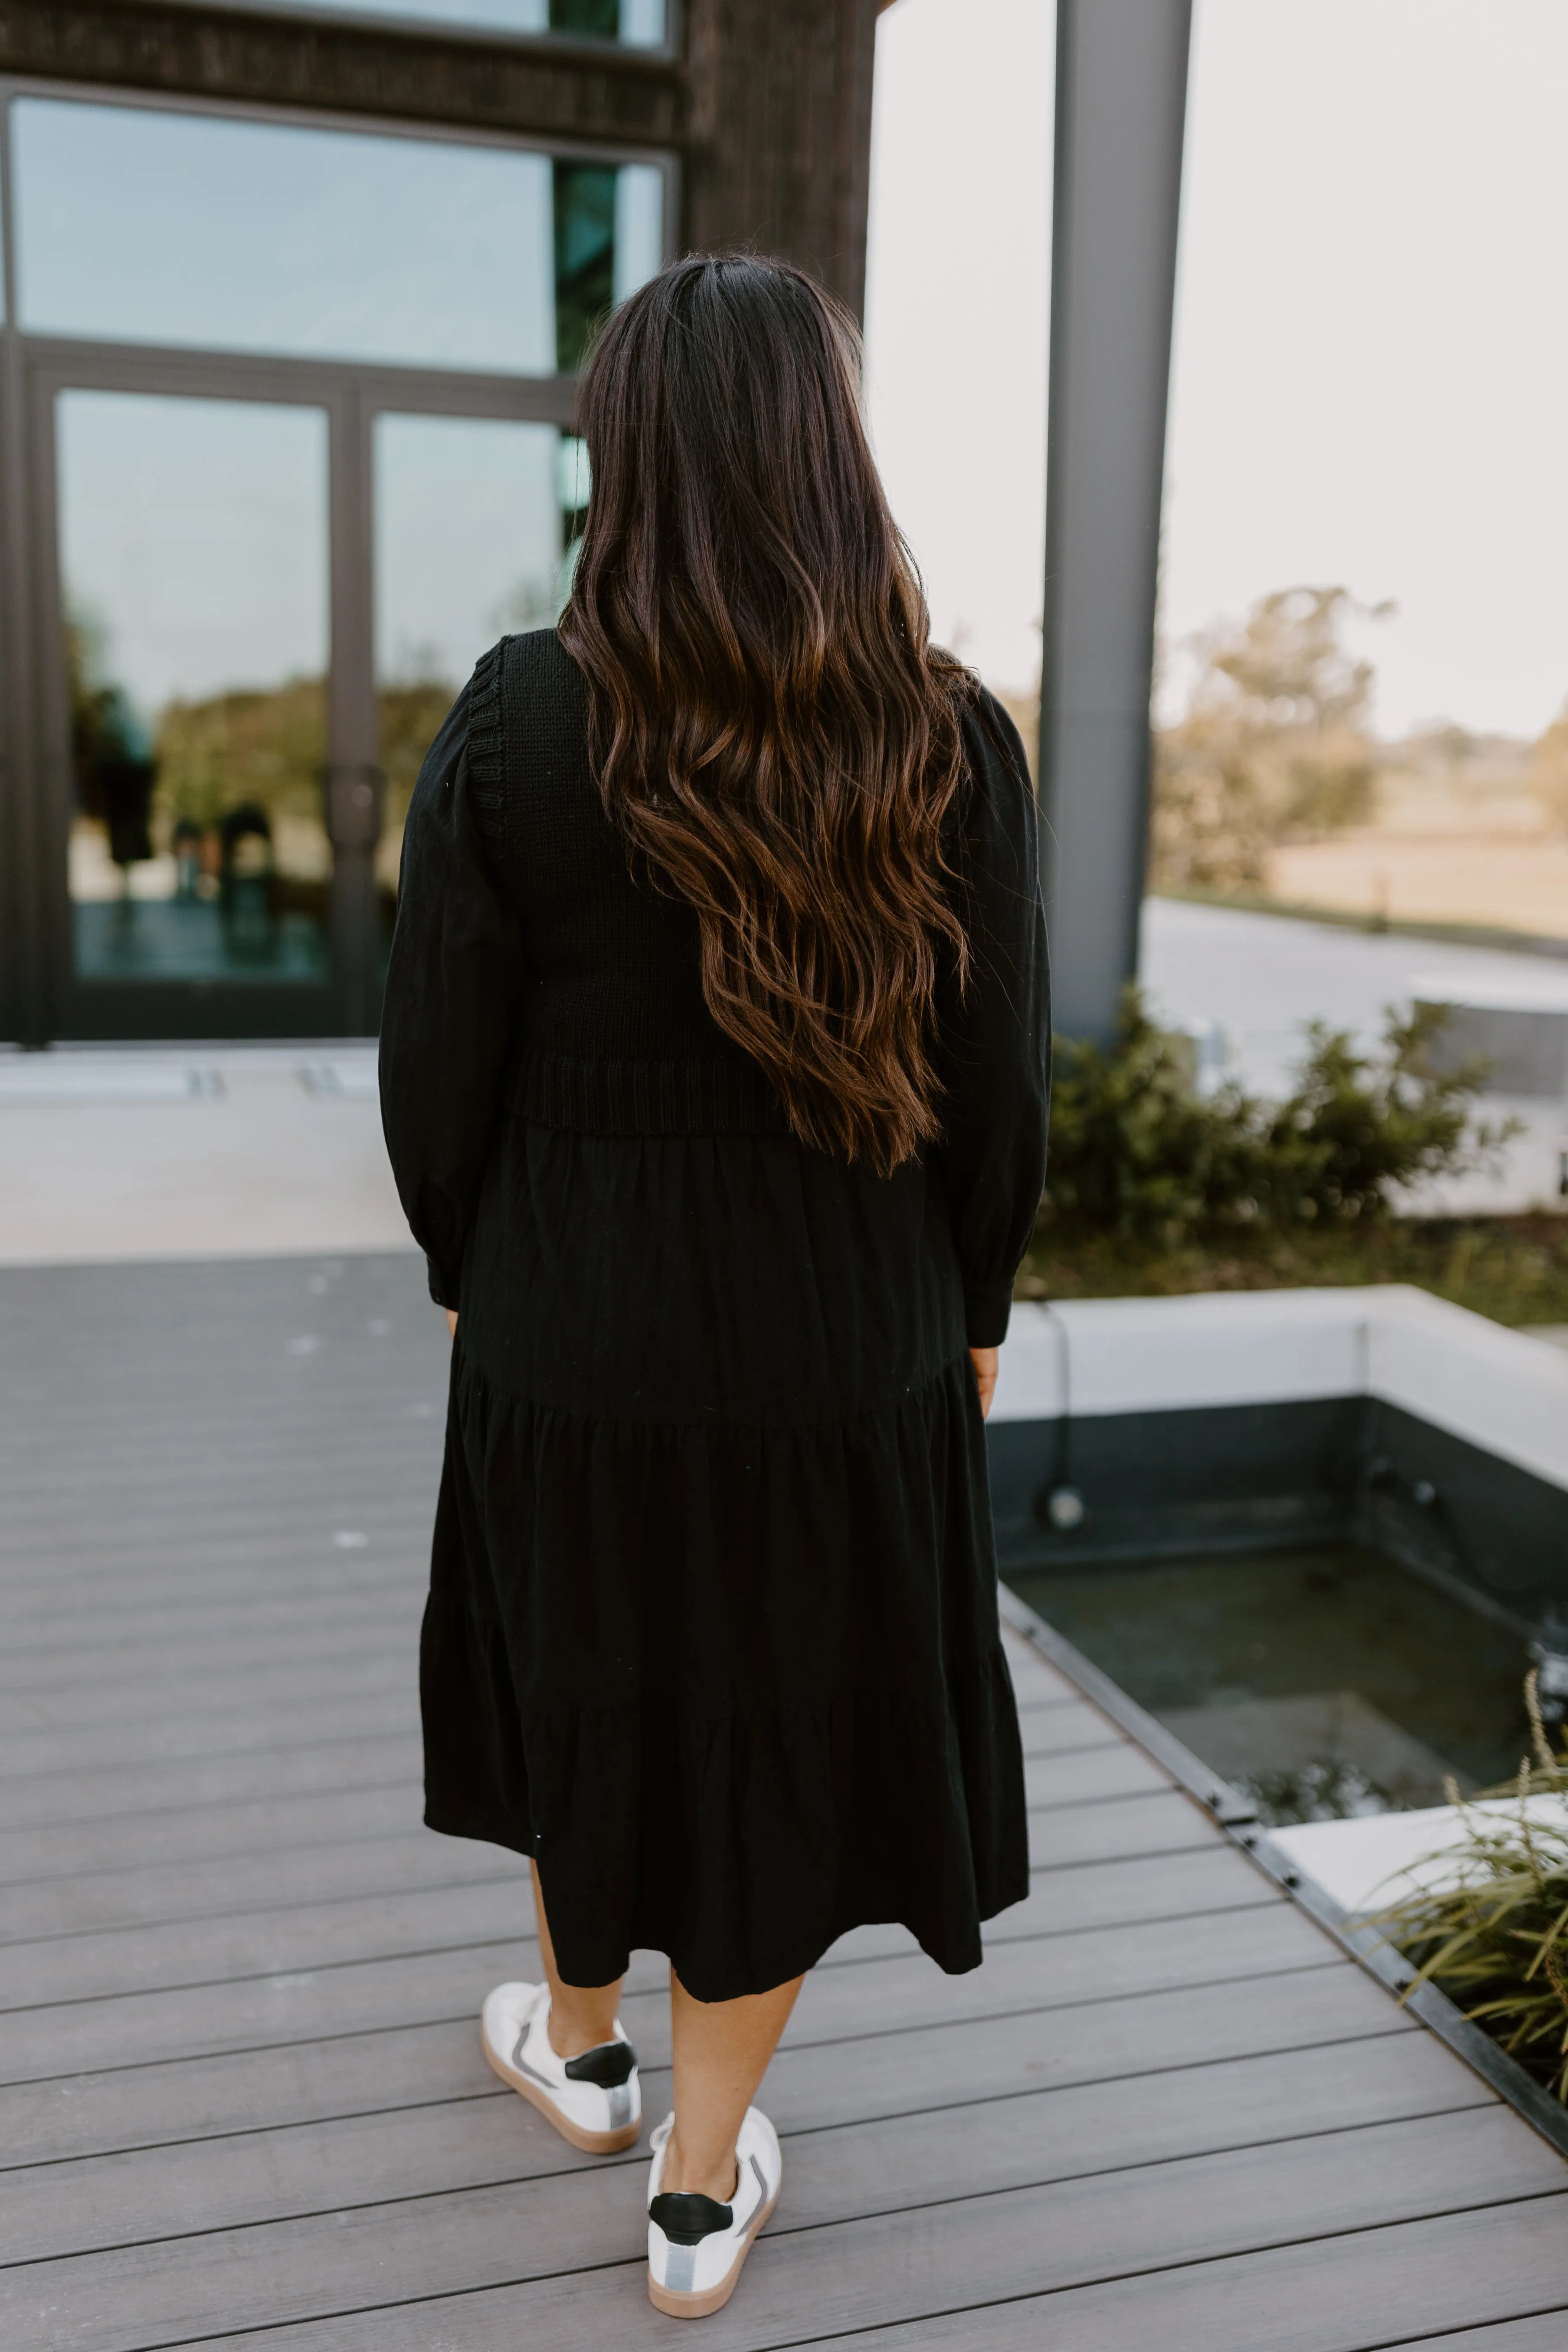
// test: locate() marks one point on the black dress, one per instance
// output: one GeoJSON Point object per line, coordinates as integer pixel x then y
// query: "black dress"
{"type": "Point", "coordinates": [712, 1628]}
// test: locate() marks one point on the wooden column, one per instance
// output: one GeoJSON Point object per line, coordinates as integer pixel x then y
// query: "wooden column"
{"type": "Point", "coordinates": [778, 132]}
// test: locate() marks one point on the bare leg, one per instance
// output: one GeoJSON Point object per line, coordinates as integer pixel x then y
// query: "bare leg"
{"type": "Point", "coordinates": [722, 2052]}
{"type": "Point", "coordinates": [581, 2017]}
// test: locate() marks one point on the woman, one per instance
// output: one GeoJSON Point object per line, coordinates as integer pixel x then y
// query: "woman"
{"type": "Point", "coordinates": [714, 1077]}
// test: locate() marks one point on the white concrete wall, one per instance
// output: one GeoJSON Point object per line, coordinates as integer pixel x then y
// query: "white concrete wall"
{"type": "Point", "coordinates": [1498, 1389]}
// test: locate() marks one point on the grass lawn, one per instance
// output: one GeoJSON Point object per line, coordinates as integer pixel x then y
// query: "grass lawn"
{"type": "Point", "coordinates": [1514, 1269]}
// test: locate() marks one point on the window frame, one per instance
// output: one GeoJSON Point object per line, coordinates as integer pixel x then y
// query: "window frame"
{"type": "Point", "coordinates": [584, 48]}
{"type": "Point", "coordinates": [40, 996]}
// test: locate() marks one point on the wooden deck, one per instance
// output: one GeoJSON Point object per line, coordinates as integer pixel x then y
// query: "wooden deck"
{"type": "Point", "coordinates": [243, 2099]}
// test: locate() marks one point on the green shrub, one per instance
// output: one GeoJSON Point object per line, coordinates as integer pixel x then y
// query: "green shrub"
{"type": "Point", "coordinates": [1137, 1151]}
{"type": "Point", "coordinates": [1497, 1943]}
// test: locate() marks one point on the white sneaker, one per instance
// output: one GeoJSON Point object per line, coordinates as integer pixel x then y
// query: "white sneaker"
{"type": "Point", "coordinates": [695, 2246]}
{"type": "Point", "coordinates": [594, 2101]}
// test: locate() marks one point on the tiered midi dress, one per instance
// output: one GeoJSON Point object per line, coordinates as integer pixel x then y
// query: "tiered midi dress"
{"type": "Point", "coordinates": [712, 1625]}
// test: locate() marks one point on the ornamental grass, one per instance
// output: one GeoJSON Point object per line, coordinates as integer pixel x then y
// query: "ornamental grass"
{"type": "Point", "coordinates": [1495, 1939]}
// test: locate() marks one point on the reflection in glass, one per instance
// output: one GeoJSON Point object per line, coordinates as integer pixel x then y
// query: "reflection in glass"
{"type": "Point", "coordinates": [609, 240]}
{"type": "Point", "coordinates": [141, 227]}
{"type": "Point", "coordinates": [635, 24]}
{"type": "Point", "coordinates": [471, 541]}
{"type": "Point", "coordinates": [585, 254]}
{"type": "Point", "coordinates": [193, 560]}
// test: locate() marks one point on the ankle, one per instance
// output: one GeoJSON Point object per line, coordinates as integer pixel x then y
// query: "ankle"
{"type": "Point", "coordinates": [717, 2177]}
{"type": "Point", "coordinates": [569, 2037]}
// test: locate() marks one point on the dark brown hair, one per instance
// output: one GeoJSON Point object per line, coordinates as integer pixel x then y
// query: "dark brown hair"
{"type": "Point", "coordinates": [772, 727]}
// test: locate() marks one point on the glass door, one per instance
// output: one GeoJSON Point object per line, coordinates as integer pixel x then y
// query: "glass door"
{"type": "Point", "coordinates": [476, 519]}
{"type": "Point", "coordinates": [258, 611]}
{"type": "Point", "coordinates": [212, 818]}
{"type": "Point", "coordinates": [193, 569]}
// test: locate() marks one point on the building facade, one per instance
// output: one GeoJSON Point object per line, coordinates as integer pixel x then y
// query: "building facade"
{"type": "Point", "coordinates": [293, 306]}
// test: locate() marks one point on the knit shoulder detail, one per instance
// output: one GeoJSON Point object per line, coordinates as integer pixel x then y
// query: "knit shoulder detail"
{"type": "Point", "coordinates": [544, 701]}
{"type": "Point", "coordinates": [487, 748]}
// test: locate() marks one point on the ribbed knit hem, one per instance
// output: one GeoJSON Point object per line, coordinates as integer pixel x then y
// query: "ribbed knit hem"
{"type": "Point", "coordinates": [594, 1097]}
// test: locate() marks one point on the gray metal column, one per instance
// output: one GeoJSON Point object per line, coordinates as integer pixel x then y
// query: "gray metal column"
{"type": "Point", "coordinates": [1122, 83]}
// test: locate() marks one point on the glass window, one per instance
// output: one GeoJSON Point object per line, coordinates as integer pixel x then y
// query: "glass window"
{"type": "Point", "coordinates": [640, 23]}
{"type": "Point", "coordinates": [193, 555]}
{"type": "Point", "coordinates": [474, 522]}
{"type": "Point", "coordinates": [637, 24]}
{"type": "Point", "coordinates": [142, 226]}
{"type": "Point", "coordinates": [1362, 584]}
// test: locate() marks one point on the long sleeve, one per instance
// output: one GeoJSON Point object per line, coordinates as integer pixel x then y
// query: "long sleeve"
{"type": "Point", "coordinates": [453, 987]}
{"type": "Point", "coordinates": [994, 1041]}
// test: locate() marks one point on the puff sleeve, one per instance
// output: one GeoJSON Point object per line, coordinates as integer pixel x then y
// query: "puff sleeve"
{"type": "Point", "coordinates": [994, 1039]}
{"type": "Point", "coordinates": [454, 986]}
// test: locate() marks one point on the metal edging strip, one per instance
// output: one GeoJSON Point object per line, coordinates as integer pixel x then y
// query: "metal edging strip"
{"type": "Point", "coordinates": [1236, 1818]}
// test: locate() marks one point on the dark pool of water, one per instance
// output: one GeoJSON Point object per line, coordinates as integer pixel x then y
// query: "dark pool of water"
{"type": "Point", "coordinates": [1324, 1682]}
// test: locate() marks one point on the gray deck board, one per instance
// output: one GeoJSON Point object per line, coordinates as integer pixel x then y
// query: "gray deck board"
{"type": "Point", "coordinates": [192, 1739]}
{"type": "Point", "coordinates": [1166, 1822]}
{"type": "Point", "coordinates": [413, 1899]}
{"type": "Point", "coordinates": [381, 1801]}
{"type": "Point", "coordinates": [241, 2095]}
{"type": "Point", "coordinates": [395, 1857]}
{"type": "Point", "coordinates": [256, 1662]}
{"type": "Point", "coordinates": [131, 2106]}
{"type": "Point", "coordinates": [1352, 2294]}
{"type": "Point", "coordinates": [1041, 2136]}
{"type": "Point", "coordinates": [851, 2193]}
{"type": "Point", "coordinates": [47, 1735]}
{"type": "Point", "coordinates": [351, 1760]}
{"type": "Point", "coordinates": [259, 1997]}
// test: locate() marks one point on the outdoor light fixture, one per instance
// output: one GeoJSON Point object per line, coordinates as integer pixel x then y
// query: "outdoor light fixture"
{"type": "Point", "coordinates": [1549, 1653]}
{"type": "Point", "coordinates": [1065, 1509]}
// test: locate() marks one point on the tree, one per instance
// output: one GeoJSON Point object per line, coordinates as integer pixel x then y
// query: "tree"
{"type": "Point", "coordinates": [1549, 768]}
{"type": "Point", "coordinates": [1275, 745]}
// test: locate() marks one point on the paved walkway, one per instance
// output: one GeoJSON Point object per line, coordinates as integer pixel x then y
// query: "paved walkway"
{"type": "Point", "coordinates": [241, 2095]}
{"type": "Point", "coordinates": [177, 1153]}
{"type": "Point", "coordinates": [1264, 976]}
{"type": "Point", "coordinates": [208, 1151]}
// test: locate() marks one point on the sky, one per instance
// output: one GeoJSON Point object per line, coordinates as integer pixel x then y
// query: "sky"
{"type": "Point", "coordinates": [1371, 355]}
{"type": "Point", "coordinates": [958, 273]}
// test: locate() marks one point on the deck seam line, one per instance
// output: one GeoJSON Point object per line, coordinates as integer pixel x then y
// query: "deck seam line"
{"type": "Point", "coordinates": [633, 2158]}
{"type": "Point", "coordinates": [500, 2091]}
{"type": "Point", "coordinates": [444, 1886]}
{"type": "Point", "coordinates": [1042, 2294]}
{"type": "Point", "coordinates": [1154, 2270]}
{"type": "Point", "coordinates": [26, 1778]}
{"type": "Point", "coordinates": [1111, 2278]}
{"type": "Point", "coordinates": [1465, 2328]}
{"type": "Point", "coordinates": [446, 1951]}
{"type": "Point", "coordinates": [221, 1855]}
{"type": "Point", "coordinates": [1264, 1902]}
{"type": "Point", "coordinates": [832, 2042]}
{"type": "Point", "coordinates": [215, 1805]}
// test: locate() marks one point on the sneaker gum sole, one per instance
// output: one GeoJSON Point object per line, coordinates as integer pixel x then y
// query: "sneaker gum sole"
{"type": "Point", "coordinates": [608, 2143]}
{"type": "Point", "coordinates": [702, 2307]}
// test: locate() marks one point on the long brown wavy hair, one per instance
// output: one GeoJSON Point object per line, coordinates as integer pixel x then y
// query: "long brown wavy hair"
{"type": "Point", "coordinates": [772, 730]}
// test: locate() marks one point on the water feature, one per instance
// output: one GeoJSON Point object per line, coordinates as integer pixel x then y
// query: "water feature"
{"type": "Point", "coordinates": [1325, 1682]}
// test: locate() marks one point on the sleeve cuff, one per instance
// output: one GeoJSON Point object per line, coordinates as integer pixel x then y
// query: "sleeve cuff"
{"type": "Point", "coordinates": [444, 1294]}
{"type": "Point", "coordinates": [986, 1311]}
